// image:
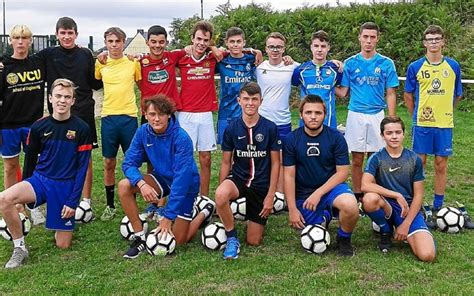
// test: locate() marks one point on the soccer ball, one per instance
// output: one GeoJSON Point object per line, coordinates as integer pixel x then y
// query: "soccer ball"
{"type": "Point", "coordinates": [238, 207]}
{"type": "Point", "coordinates": [25, 223]}
{"type": "Point", "coordinates": [213, 236]}
{"type": "Point", "coordinates": [83, 212]}
{"type": "Point", "coordinates": [201, 201]}
{"type": "Point", "coordinates": [315, 239]}
{"type": "Point", "coordinates": [161, 247]}
{"type": "Point", "coordinates": [279, 203]}
{"type": "Point", "coordinates": [450, 219]}
{"type": "Point", "coordinates": [195, 212]}
{"type": "Point", "coordinates": [126, 229]}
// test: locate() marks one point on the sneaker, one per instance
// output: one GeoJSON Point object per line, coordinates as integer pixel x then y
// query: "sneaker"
{"type": "Point", "coordinates": [150, 210]}
{"type": "Point", "coordinates": [385, 243]}
{"type": "Point", "coordinates": [345, 247]}
{"type": "Point", "coordinates": [17, 259]}
{"type": "Point", "coordinates": [159, 213]}
{"type": "Point", "coordinates": [467, 219]}
{"type": "Point", "coordinates": [37, 217]}
{"type": "Point", "coordinates": [136, 247]}
{"type": "Point", "coordinates": [108, 214]}
{"type": "Point", "coordinates": [232, 248]}
{"type": "Point", "coordinates": [429, 216]}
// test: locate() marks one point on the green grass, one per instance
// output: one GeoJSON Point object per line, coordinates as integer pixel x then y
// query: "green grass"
{"type": "Point", "coordinates": [94, 264]}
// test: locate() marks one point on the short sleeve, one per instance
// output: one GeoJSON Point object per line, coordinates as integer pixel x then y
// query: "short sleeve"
{"type": "Point", "coordinates": [372, 165]}
{"type": "Point", "coordinates": [392, 77]}
{"type": "Point", "coordinates": [410, 83]}
{"type": "Point", "coordinates": [419, 174]}
{"type": "Point", "coordinates": [289, 158]}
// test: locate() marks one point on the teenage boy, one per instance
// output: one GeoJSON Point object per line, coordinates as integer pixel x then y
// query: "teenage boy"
{"type": "Point", "coordinates": [119, 109]}
{"type": "Point", "coordinates": [250, 167]}
{"type": "Point", "coordinates": [48, 177]}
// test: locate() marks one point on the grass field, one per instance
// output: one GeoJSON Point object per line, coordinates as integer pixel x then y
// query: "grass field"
{"type": "Point", "coordinates": [94, 264]}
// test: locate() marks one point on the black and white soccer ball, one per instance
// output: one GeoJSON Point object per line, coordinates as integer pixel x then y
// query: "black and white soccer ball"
{"type": "Point", "coordinates": [5, 232]}
{"type": "Point", "coordinates": [160, 247]}
{"type": "Point", "coordinates": [213, 236]}
{"type": "Point", "coordinates": [126, 229]}
{"type": "Point", "coordinates": [315, 239]}
{"type": "Point", "coordinates": [201, 201]}
{"type": "Point", "coordinates": [83, 212]}
{"type": "Point", "coordinates": [279, 203]}
{"type": "Point", "coordinates": [239, 208]}
{"type": "Point", "coordinates": [450, 219]}
{"type": "Point", "coordinates": [195, 212]}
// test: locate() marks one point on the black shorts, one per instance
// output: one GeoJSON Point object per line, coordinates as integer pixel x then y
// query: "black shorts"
{"type": "Point", "coordinates": [90, 120]}
{"type": "Point", "coordinates": [254, 200]}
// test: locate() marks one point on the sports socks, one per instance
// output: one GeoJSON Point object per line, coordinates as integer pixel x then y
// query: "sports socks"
{"type": "Point", "coordinates": [140, 234]}
{"type": "Point", "coordinates": [109, 193]}
{"type": "Point", "coordinates": [378, 217]}
{"type": "Point", "coordinates": [87, 200]}
{"type": "Point", "coordinates": [342, 233]}
{"type": "Point", "coordinates": [438, 201]}
{"type": "Point", "coordinates": [20, 243]}
{"type": "Point", "coordinates": [206, 212]}
{"type": "Point", "coordinates": [232, 233]}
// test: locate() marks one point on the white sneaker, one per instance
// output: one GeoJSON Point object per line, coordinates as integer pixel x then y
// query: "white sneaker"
{"type": "Point", "coordinates": [17, 259]}
{"type": "Point", "coordinates": [37, 217]}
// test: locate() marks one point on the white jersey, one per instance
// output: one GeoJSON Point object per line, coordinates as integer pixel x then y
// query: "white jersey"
{"type": "Point", "coordinates": [275, 82]}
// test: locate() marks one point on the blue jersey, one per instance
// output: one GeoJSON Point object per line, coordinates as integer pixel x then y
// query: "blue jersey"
{"type": "Point", "coordinates": [322, 81]}
{"type": "Point", "coordinates": [64, 150]}
{"type": "Point", "coordinates": [234, 73]}
{"type": "Point", "coordinates": [396, 174]}
{"type": "Point", "coordinates": [252, 149]}
{"type": "Point", "coordinates": [367, 81]}
{"type": "Point", "coordinates": [315, 158]}
{"type": "Point", "coordinates": [171, 155]}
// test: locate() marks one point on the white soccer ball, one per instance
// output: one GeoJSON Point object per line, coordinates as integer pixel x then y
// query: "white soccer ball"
{"type": "Point", "coordinates": [201, 201]}
{"type": "Point", "coordinates": [315, 239]}
{"type": "Point", "coordinates": [450, 219]}
{"type": "Point", "coordinates": [160, 247]}
{"type": "Point", "coordinates": [213, 236]}
{"type": "Point", "coordinates": [83, 212]}
{"type": "Point", "coordinates": [279, 203]}
{"type": "Point", "coordinates": [5, 232]}
{"type": "Point", "coordinates": [238, 207]}
{"type": "Point", "coordinates": [126, 229]}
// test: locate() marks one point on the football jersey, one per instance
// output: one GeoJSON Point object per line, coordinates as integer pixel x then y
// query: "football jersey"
{"type": "Point", "coordinates": [275, 82]}
{"type": "Point", "coordinates": [396, 174]}
{"type": "Point", "coordinates": [252, 149]}
{"type": "Point", "coordinates": [198, 91]}
{"type": "Point", "coordinates": [319, 80]}
{"type": "Point", "coordinates": [159, 77]}
{"type": "Point", "coordinates": [367, 81]}
{"type": "Point", "coordinates": [435, 89]}
{"type": "Point", "coordinates": [315, 158]}
{"type": "Point", "coordinates": [234, 73]}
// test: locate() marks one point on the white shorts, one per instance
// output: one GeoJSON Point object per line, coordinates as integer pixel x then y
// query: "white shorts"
{"type": "Point", "coordinates": [200, 127]}
{"type": "Point", "coordinates": [363, 132]}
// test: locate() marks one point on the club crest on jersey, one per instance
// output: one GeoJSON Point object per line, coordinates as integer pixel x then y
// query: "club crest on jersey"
{"type": "Point", "coordinates": [427, 114]}
{"type": "Point", "coordinates": [313, 149]}
{"type": "Point", "coordinates": [145, 61]}
{"type": "Point", "coordinates": [328, 72]}
{"type": "Point", "coordinates": [445, 73]}
{"type": "Point", "coordinates": [71, 135]}
{"type": "Point", "coordinates": [12, 79]}
{"type": "Point", "coordinates": [248, 67]}
{"type": "Point", "coordinates": [207, 64]}
{"type": "Point", "coordinates": [165, 61]}
{"type": "Point", "coordinates": [377, 70]}
{"type": "Point", "coordinates": [259, 137]}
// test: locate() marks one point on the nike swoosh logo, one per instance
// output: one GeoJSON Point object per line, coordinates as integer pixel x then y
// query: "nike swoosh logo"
{"type": "Point", "coordinates": [47, 134]}
{"type": "Point", "coordinates": [393, 169]}
{"type": "Point", "coordinates": [241, 137]}
{"type": "Point", "coordinates": [148, 145]}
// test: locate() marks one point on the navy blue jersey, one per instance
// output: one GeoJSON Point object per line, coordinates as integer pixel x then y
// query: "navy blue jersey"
{"type": "Point", "coordinates": [396, 174]}
{"type": "Point", "coordinates": [251, 149]}
{"type": "Point", "coordinates": [234, 73]}
{"type": "Point", "coordinates": [59, 150]}
{"type": "Point", "coordinates": [315, 158]}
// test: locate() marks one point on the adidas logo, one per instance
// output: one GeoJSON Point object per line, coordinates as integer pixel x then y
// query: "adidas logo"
{"type": "Point", "coordinates": [68, 223]}
{"type": "Point", "coordinates": [228, 66]}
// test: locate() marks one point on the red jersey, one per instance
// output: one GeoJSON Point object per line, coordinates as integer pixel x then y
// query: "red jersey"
{"type": "Point", "coordinates": [198, 92]}
{"type": "Point", "coordinates": [159, 77]}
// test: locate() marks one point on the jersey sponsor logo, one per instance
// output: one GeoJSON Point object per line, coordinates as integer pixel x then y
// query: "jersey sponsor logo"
{"type": "Point", "coordinates": [251, 152]}
{"type": "Point", "coordinates": [427, 114]}
{"type": "Point", "coordinates": [71, 135]}
{"type": "Point", "coordinates": [313, 149]}
{"type": "Point", "coordinates": [238, 80]}
{"type": "Point", "coordinates": [391, 170]}
{"type": "Point", "coordinates": [27, 76]}
{"type": "Point", "coordinates": [370, 80]}
{"type": "Point", "coordinates": [436, 88]}
{"type": "Point", "coordinates": [436, 83]}
{"type": "Point", "coordinates": [259, 137]}
{"type": "Point", "coordinates": [319, 86]}
{"type": "Point", "coordinates": [319, 79]}
{"type": "Point", "coordinates": [199, 71]}
{"type": "Point", "coordinates": [156, 77]}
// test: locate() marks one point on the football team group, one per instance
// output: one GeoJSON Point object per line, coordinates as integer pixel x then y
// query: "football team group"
{"type": "Point", "coordinates": [261, 155]}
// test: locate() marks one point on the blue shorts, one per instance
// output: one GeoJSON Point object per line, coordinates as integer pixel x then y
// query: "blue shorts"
{"type": "Point", "coordinates": [284, 130]}
{"type": "Point", "coordinates": [55, 193]}
{"type": "Point", "coordinates": [221, 126]}
{"type": "Point", "coordinates": [326, 202]}
{"type": "Point", "coordinates": [13, 140]}
{"type": "Point", "coordinates": [186, 209]}
{"type": "Point", "coordinates": [396, 219]}
{"type": "Point", "coordinates": [432, 140]}
{"type": "Point", "coordinates": [117, 130]}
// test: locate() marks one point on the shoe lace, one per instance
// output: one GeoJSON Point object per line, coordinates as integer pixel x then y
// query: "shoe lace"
{"type": "Point", "coordinates": [138, 243]}
{"type": "Point", "coordinates": [17, 255]}
{"type": "Point", "coordinates": [232, 244]}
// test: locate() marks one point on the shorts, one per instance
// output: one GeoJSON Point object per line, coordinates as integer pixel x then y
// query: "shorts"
{"type": "Point", "coordinates": [394, 219]}
{"type": "Point", "coordinates": [55, 194]}
{"type": "Point", "coordinates": [326, 202]}
{"type": "Point", "coordinates": [200, 127]}
{"type": "Point", "coordinates": [13, 140]}
{"type": "Point", "coordinates": [221, 126]}
{"type": "Point", "coordinates": [432, 140]}
{"type": "Point", "coordinates": [186, 208]}
{"type": "Point", "coordinates": [254, 200]}
{"type": "Point", "coordinates": [284, 130]}
{"type": "Point", "coordinates": [90, 120]}
{"type": "Point", "coordinates": [363, 132]}
{"type": "Point", "coordinates": [117, 130]}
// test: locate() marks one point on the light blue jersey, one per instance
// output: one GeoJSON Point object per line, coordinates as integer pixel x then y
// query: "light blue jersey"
{"type": "Point", "coordinates": [367, 81]}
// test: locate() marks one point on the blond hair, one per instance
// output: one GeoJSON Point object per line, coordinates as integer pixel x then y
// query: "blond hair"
{"type": "Point", "coordinates": [20, 31]}
{"type": "Point", "coordinates": [66, 83]}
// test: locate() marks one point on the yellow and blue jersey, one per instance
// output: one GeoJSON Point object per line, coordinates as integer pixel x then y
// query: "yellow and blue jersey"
{"type": "Point", "coordinates": [435, 88]}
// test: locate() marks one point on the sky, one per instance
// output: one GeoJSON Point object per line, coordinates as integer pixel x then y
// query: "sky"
{"type": "Point", "coordinates": [94, 17]}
